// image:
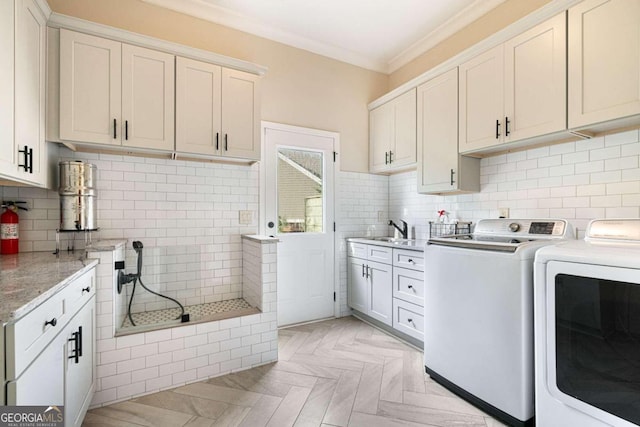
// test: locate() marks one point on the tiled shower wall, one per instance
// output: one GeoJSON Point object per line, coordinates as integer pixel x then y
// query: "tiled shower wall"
{"type": "Point", "coordinates": [185, 213]}
{"type": "Point", "coordinates": [578, 181]}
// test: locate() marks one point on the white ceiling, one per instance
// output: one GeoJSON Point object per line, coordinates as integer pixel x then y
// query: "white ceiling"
{"type": "Point", "coordinates": [381, 35]}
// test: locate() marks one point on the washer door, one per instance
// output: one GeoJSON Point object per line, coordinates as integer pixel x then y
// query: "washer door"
{"type": "Point", "coordinates": [593, 340]}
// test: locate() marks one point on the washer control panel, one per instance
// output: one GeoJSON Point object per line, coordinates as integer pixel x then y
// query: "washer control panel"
{"type": "Point", "coordinates": [533, 228]}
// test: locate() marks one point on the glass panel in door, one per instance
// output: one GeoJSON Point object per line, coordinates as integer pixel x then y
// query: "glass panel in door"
{"type": "Point", "coordinates": [300, 191]}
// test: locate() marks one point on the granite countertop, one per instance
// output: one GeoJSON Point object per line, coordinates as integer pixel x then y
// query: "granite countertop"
{"type": "Point", "coordinates": [412, 245]}
{"type": "Point", "coordinates": [28, 279]}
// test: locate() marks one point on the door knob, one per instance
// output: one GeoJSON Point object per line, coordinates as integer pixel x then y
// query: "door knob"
{"type": "Point", "coordinates": [270, 224]}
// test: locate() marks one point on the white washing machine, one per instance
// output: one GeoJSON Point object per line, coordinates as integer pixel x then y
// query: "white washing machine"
{"type": "Point", "coordinates": [587, 328]}
{"type": "Point", "coordinates": [478, 313]}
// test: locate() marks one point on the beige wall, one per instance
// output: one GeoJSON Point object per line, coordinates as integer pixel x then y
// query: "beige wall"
{"type": "Point", "coordinates": [507, 13]}
{"type": "Point", "coordinates": [300, 88]}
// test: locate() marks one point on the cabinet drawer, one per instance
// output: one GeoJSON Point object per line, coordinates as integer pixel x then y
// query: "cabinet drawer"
{"type": "Point", "coordinates": [357, 250]}
{"type": "Point", "coordinates": [80, 291]}
{"type": "Point", "coordinates": [408, 285]}
{"type": "Point", "coordinates": [408, 318]}
{"type": "Point", "coordinates": [27, 337]}
{"type": "Point", "coordinates": [408, 259]}
{"type": "Point", "coordinates": [380, 254]}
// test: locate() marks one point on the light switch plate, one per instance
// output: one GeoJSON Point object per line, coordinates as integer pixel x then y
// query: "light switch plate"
{"type": "Point", "coordinates": [503, 212]}
{"type": "Point", "coordinates": [245, 217]}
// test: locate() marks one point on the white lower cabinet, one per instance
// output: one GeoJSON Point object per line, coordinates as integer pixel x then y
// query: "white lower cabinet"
{"type": "Point", "coordinates": [62, 370]}
{"type": "Point", "coordinates": [42, 383]}
{"type": "Point", "coordinates": [80, 365]}
{"type": "Point", "coordinates": [408, 318]}
{"type": "Point", "coordinates": [370, 282]}
{"type": "Point", "coordinates": [391, 292]}
{"type": "Point", "coordinates": [380, 280]}
{"type": "Point", "coordinates": [357, 294]}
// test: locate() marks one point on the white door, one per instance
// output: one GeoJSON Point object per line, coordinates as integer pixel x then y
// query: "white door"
{"type": "Point", "coordinates": [299, 210]}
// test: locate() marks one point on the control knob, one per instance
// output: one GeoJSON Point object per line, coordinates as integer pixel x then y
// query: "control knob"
{"type": "Point", "coordinates": [514, 226]}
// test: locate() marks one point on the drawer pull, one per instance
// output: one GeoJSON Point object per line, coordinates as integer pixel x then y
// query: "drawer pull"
{"type": "Point", "coordinates": [411, 287]}
{"type": "Point", "coordinates": [52, 322]}
{"type": "Point", "coordinates": [411, 321]}
{"type": "Point", "coordinates": [87, 289]}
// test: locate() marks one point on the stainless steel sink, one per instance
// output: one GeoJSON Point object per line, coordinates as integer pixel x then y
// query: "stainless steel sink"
{"type": "Point", "coordinates": [392, 240]}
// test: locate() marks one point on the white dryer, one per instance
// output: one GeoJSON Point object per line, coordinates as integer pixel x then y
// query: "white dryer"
{"type": "Point", "coordinates": [587, 328]}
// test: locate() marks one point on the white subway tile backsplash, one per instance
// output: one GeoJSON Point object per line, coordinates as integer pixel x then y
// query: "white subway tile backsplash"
{"type": "Point", "coordinates": [578, 180]}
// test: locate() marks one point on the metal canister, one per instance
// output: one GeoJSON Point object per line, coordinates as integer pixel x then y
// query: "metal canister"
{"type": "Point", "coordinates": [78, 196]}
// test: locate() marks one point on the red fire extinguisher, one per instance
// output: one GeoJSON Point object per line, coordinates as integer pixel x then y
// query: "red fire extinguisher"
{"type": "Point", "coordinates": [9, 228]}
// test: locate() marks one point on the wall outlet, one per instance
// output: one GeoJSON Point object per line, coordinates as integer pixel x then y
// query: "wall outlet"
{"type": "Point", "coordinates": [503, 212]}
{"type": "Point", "coordinates": [245, 217]}
{"type": "Point", "coordinates": [381, 216]}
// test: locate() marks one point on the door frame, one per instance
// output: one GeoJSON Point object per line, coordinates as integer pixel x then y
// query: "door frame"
{"type": "Point", "coordinates": [262, 229]}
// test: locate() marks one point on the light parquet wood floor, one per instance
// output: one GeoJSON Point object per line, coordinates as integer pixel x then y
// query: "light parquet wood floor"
{"type": "Point", "coordinates": [339, 372]}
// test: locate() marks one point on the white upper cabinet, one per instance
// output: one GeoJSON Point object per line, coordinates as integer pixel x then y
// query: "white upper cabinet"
{"type": "Point", "coordinates": [8, 155]}
{"type": "Point", "coordinates": [114, 93]}
{"type": "Point", "coordinates": [535, 67]}
{"type": "Point", "coordinates": [90, 88]}
{"type": "Point", "coordinates": [217, 110]}
{"type": "Point", "coordinates": [240, 115]}
{"type": "Point", "coordinates": [392, 134]}
{"type": "Point", "coordinates": [440, 168]}
{"type": "Point", "coordinates": [23, 150]}
{"type": "Point", "coordinates": [604, 64]}
{"type": "Point", "coordinates": [198, 103]}
{"type": "Point", "coordinates": [515, 91]}
{"type": "Point", "coordinates": [148, 90]}
{"type": "Point", "coordinates": [481, 100]}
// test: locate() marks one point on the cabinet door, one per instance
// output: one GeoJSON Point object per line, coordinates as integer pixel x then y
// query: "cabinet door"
{"type": "Point", "coordinates": [358, 286]}
{"type": "Point", "coordinates": [30, 49]}
{"type": "Point", "coordinates": [42, 383]}
{"type": "Point", "coordinates": [380, 294]}
{"type": "Point", "coordinates": [90, 88]}
{"type": "Point", "coordinates": [535, 81]}
{"type": "Point", "coordinates": [198, 101]}
{"type": "Point", "coordinates": [148, 98]}
{"type": "Point", "coordinates": [380, 137]}
{"type": "Point", "coordinates": [481, 101]}
{"type": "Point", "coordinates": [403, 151]}
{"type": "Point", "coordinates": [438, 133]}
{"type": "Point", "coordinates": [604, 61]}
{"type": "Point", "coordinates": [240, 115]}
{"type": "Point", "coordinates": [7, 153]}
{"type": "Point", "coordinates": [80, 376]}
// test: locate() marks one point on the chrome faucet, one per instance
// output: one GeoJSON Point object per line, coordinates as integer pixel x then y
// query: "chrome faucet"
{"type": "Point", "coordinates": [404, 230]}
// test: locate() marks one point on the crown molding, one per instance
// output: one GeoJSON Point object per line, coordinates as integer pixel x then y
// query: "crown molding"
{"type": "Point", "coordinates": [44, 8]}
{"type": "Point", "coordinates": [219, 15]}
{"type": "Point", "coordinates": [448, 28]}
{"type": "Point", "coordinates": [545, 12]}
{"type": "Point", "coordinates": [57, 20]}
